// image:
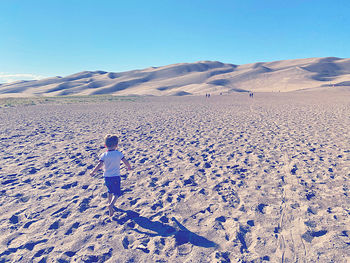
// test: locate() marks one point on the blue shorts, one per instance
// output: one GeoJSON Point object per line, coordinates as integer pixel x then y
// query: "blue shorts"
{"type": "Point", "coordinates": [113, 185]}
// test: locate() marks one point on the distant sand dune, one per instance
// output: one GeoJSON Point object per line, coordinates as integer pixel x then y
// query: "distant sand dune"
{"type": "Point", "coordinates": [194, 78]}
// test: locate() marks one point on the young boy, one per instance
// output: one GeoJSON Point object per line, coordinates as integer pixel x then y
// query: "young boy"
{"type": "Point", "coordinates": [111, 162]}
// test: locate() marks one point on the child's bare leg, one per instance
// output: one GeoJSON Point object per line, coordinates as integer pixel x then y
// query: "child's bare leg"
{"type": "Point", "coordinates": [111, 205]}
{"type": "Point", "coordinates": [110, 195]}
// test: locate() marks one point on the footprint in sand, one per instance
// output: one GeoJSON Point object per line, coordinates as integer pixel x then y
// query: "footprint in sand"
{"type": "Point", "coordinates": [227, 193]}
{"type": "Point", "coordinates": [14, 219]}
{"type": "Point", "coordinates": [55, 225]}
{"type": "Point", "coordinates": [44, 251]}
{"type": "Point", "coordinates": [85, 204]}
{"type": "Point", "coordinates": [308, 236]}
{"type": "Point", "coordinates": [260, 208]}
{"type": "Point", "coordinates": [70, 185]}
{"type": "Point", "coordinates": [125, 242]}
{"type": "Point", "coordinates": [98, 258]}
{"type": "Point", "coordinates": [74, 226]}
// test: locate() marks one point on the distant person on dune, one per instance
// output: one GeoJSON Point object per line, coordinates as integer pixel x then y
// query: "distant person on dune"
{"type": "Point", "coordinates": [110, 160]}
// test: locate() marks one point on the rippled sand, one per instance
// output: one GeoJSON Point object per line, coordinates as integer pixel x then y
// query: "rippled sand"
{"type": "Point", "coordinates": [225, 179]}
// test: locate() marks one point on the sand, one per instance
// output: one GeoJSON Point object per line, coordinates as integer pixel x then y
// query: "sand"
{"type": "Point", "coordinates": [224, 179]}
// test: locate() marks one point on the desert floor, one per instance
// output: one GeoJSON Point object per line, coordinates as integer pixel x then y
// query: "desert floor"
{"type": "Point", "coordinates": [224, 179]}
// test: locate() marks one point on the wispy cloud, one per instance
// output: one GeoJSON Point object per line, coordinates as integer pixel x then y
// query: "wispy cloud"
{"type": "Point", "coordinates": [7, 78]}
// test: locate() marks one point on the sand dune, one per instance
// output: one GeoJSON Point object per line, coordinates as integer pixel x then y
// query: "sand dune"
{"type": "Point", "coordinates": [225, 179]}
{"type": "Point", "coordinates": [194, 78]}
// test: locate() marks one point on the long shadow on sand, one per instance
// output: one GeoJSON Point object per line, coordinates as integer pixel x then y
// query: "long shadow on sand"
{"type": "Point", "coordinates": [182, 235]}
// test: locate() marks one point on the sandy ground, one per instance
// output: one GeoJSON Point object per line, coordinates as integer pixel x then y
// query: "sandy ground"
{"type": "Point", "coordinates": [225, 179]}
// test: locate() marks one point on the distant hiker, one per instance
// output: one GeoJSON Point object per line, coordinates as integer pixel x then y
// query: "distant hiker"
{"type": "Point", "coordinates": [110, 160]}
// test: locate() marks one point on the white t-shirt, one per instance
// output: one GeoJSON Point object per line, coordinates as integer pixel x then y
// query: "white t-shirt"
{"type": "Point", "coordinates": [111, 161]}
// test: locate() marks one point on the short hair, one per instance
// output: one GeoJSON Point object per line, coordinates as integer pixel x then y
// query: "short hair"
{"type": "Point", "coordinates": [111, 140]}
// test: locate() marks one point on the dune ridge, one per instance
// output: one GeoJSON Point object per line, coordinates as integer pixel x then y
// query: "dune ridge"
{"type": "Point", "coordinates": [195, 79]}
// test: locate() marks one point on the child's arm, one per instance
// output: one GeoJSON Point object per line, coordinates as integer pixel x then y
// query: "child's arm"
{"type": "Point", "coordinates": [98, 166]}
{"type": "Point", "coordinates": [125, 161]}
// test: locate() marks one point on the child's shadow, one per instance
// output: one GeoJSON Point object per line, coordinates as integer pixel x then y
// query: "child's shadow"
{"type": "Point", "coordinates": [182, 236]}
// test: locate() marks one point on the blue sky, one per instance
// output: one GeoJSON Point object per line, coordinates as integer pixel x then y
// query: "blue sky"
{"type": "Point", "coordinates": [61, 37]}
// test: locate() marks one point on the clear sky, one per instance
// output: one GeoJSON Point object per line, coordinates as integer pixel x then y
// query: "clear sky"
{"type": "Point", "coordinates": [41, 38]}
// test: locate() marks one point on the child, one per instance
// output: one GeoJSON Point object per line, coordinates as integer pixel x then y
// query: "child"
{"type": "Point", "coordinates": [111, 162]}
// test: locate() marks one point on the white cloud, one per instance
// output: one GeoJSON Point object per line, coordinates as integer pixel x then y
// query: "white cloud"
{"type": "Point", "coordinates": [7, 78]}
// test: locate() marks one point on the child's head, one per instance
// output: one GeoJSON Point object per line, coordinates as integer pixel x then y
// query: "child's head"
{"type": "Point", "coordinates": [111, 141]}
